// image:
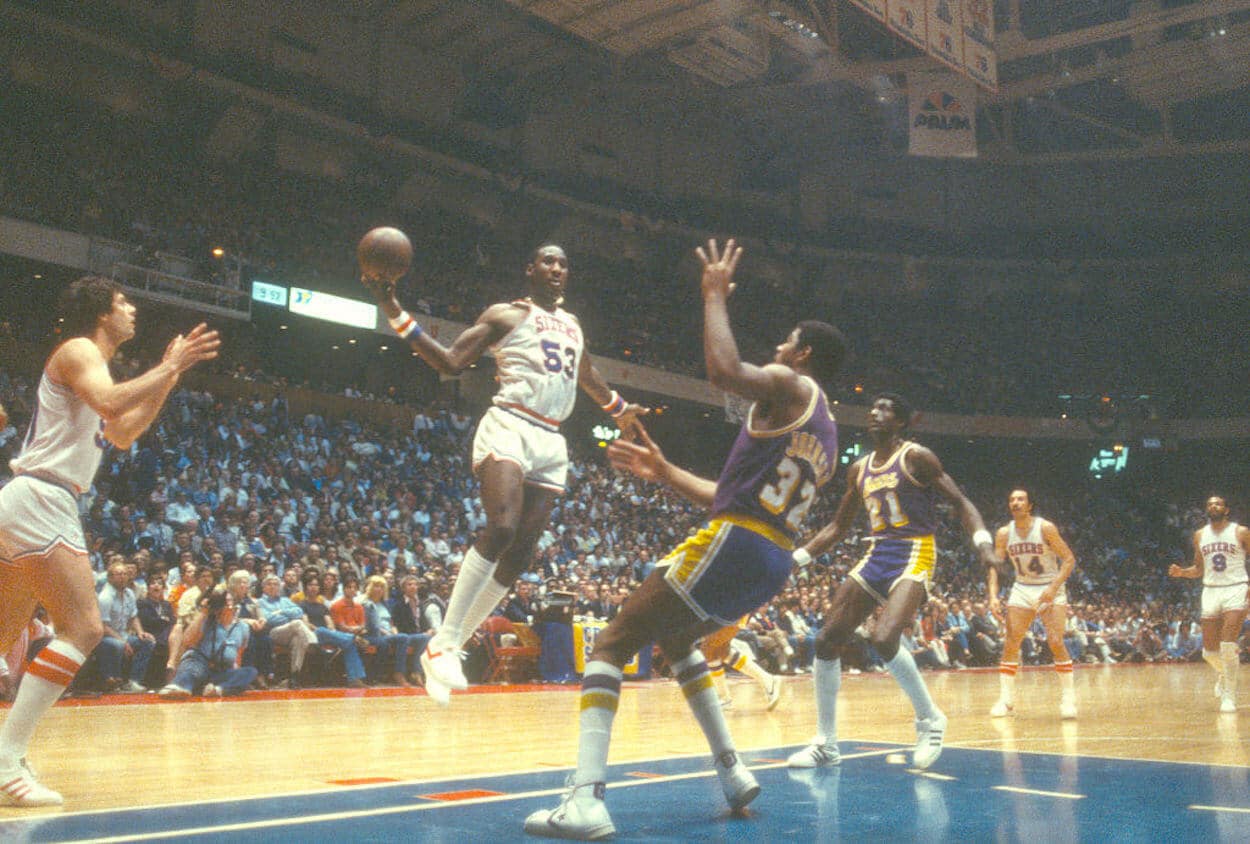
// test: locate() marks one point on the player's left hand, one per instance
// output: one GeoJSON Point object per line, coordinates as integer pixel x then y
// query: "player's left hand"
{"type": "Point", "coordinates": [383, 289]}
{"type": "Point", "coordinates": [718, 267]}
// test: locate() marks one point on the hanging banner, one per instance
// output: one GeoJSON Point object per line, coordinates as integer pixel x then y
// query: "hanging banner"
{"type": "Point", "coordinates": [907, 20]}
{"type": "Point", "coordinates": [980, 58]}
{"type": "Point", "coordinates": [942, 115]}
{"type": "Point", "coordinates": [946, 32]}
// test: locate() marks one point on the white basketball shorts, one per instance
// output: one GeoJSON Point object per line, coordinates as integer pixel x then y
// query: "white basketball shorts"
{"type": "Point", "coordinates": [1217, 600]}
{"type": "Point", "coordinates": [542, 454]}
{"type": "Point", "coordinates": [1028, 595]}
{"type": "Point", "coordinates": [36, 517]}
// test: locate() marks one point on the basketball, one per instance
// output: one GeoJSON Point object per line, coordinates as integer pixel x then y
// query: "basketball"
{"type": "Point", "coordinates": [384, 253]}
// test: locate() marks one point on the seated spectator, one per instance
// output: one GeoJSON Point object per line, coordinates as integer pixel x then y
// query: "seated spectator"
{"type": "Point", "coordinates": [156, 617]}
{"type": "Point", "coordinates": [381, 633]}
{"type": "Point", "coordinates": [986, 643]}
{"type": "Point", "coordinates": [406, 606]}
{"type": "Point", "coordinates": [124, 638]}
{"type": "Point", "coordinates": [317, 611]}
{"type": "Point", "coordinates": [286, 625]}
{"type": "Point", "coordinates": [923, 654]}
{"type": "Point", "coordinates": [520, 606]}
{"type": "Point", "coordinates": [247, 611]}
{"type": "Point", "coordinates": [215, 642]}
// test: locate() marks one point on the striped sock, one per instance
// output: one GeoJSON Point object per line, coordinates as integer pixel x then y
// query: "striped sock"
{"type": "Point", "coordinates": [1007, 681]}
{"type": "Point", "coordinates": [741, 660]}
{"type": "Point", "coordinates": [48, 675]}
{"type": "Point", "coordinates": [601, 692]}
{"type": "Point", "coordinates": [696, 684]}
{"type": "Point", "coordinates": [1064, 670]}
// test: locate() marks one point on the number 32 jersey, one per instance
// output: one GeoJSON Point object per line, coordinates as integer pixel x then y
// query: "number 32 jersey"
{"type": "Point", "coordinates": [537, 364]}
{"type": "Point", "coordinates": [773, 475]}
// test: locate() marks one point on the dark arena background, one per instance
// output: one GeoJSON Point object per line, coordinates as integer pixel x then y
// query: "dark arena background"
{"type": "Point", "coordinates": [1036, 232]}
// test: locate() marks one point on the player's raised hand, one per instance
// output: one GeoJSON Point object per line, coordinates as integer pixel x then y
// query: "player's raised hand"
{"type": "Point", "coordinates": [718, 267]}
{"type": "Point", "coordinates": [642, 458]}
{"type": "Point", "coordinates": [383, 289]}
{"type": "Point", "coordinates": [185, 351]}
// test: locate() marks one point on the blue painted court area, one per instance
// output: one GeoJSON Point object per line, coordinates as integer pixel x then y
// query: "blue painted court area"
{"type": "Point", "coordinates": [971, 795]}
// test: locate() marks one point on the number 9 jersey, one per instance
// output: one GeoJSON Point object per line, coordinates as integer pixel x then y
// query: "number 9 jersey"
{"type": "Point", "coordinates": [773, 476]}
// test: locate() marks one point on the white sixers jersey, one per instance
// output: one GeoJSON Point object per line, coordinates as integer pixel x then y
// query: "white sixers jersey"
{"type": "Point", "coordinates": [537, 363]}
{"type": "Point", "coordinates": [1223, 558]}
{"type": "Point", "coordinates": [63, 443]}
{"type": "Point", "coordinates": [1035, 562]}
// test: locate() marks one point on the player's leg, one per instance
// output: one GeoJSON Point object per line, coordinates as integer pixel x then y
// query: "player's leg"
{"type": "Point", "coordinates": [1018, 620]}
{"type": "Point", "coordinates": [62, 581]}
{"type": "Point", "coordinates": [503, 494]}
{"type": "Point", "coordinates": [900, 609]}
{"type": "Point", "coordinates": [1212, 621]}
{"type": "Point", "coordinates": [741, 659]}
{"type": "Point", "coordinates": [1054, 619]}
{"type": "Point", "coordinates": [852, 603]}
{"type": "Point", "coordinates": [715, 648]}
{"type": "Point", "coordinates": [647, 614]}
{"type": "Point", "coordinates": [1230, 628]}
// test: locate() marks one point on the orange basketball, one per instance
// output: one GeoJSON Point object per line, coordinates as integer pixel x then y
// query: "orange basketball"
{"type": "Point", "coordinates": [384, 253]}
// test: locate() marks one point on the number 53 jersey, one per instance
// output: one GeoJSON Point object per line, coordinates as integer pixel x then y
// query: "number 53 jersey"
{"type": "Point", "coordinates": [773, 475]}
{"type": "Point", "coordinates": [537, 364]}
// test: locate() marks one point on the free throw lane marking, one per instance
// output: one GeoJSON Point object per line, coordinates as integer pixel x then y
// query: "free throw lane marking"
{"type": "Point", "coordinates": [1241, 809]}
{"type": "Point", "coordinates": [1015, 790]}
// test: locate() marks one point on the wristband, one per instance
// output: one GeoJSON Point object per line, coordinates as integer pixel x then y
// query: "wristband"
{"type": "Point", "coordinates": [802, 557]}
{"type": "Point", "coordinates": [405, 326]}
{"type": "Point", "coordinates": [982, 537]}
{"type": "Point", "coordinates": [615, 406]}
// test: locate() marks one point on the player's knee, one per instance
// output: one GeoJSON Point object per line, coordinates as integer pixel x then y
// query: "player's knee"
{"type": "Point", "coordinates": [829, 642]}
{"type": "Point", "coordinates": [885, 643]}
{"type": "Point", "coordinates": [86, 635]}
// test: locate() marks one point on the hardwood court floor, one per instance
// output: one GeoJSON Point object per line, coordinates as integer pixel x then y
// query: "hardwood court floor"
{"type": "Point", "coordinates": [129, 751]}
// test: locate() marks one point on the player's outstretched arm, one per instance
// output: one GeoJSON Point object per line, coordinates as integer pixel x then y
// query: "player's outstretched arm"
{"type": "Point", "coordinates": [927, 469]}
{"type": "Point", "coordinates": [645, 460]}
{"type": "Point", "coordinates": [626, 414]}
{"type": "Point", "coordinates": [129, 407]}
{"type": "Point", "coordinates": [832, 533]}
{"type": "Point", "coordinates": [494, 322]}
{"type": "Point", "coordinates": [726, 370]}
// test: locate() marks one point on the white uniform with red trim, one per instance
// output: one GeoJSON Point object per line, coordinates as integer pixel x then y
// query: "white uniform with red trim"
{"type": "Point", "coordinates": [537, 364]}
{"type": "Point", "coordinates": [1223, 571]}
{"type": "Point", "coordinates": [1036, 564]}
{"type": "Point", "coordinates": [59, 458]}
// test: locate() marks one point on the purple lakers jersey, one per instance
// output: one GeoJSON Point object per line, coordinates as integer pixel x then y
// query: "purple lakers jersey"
{"type": "Point", "coordinates": [773, 475]}
{"type": "Point", "coordinates": [898, 507]}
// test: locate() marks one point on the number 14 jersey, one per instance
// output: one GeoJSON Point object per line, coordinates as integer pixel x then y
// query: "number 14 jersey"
{"type": "Point", "coordinates": [1036, 563]}
{"type": "Point", "coordinates": [537, 364]}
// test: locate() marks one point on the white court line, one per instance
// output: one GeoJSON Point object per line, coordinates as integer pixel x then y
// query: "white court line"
{"type": "Point", "coordinates": [420, 807]}
{"type": "Point", "coordinates": [1015, 790]}
{"type": "Point", "coordinates": [1240, 809]}
{"type": "Point", "coordinates": [932, 775]}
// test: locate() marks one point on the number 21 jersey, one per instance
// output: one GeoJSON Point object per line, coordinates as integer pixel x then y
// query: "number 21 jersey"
{"type": "Point", "coordinates": [537, 364]}
{"type": "Point", "coordinates": [898, 506]}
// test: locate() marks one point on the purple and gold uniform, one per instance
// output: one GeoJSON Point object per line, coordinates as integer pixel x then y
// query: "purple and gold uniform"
{"type": "Point", "coordinates": [903, 518]}
{"type": "Point", "coordinates": [742, 557]}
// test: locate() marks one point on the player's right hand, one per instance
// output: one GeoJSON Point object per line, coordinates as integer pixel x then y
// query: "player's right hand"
{"type": "Point", "coordinates": [642, 458]}
{"type": "Point", "coordinates": [383, 289]}
{"type": "Point", "coordinates": [185, 351]}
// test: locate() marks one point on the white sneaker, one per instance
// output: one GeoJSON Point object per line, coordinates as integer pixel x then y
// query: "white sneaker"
{"type": "Point", "coordinates": [1001, 709]}
{"type": "Point", "coordinates": [172, 691]}
{"type": "Point", "coordinates": [443, 673]}
{"type": "Point", "coordinates": [1227, 703]}
{"type": "Point", "coordinates": [929, 735]}
{"type": "Point", "coordinates": [130, 687]}
{"type": "Point", "coordinates": [815, 755]}
{"type": "Point", "coordinates": [585, 818]}
{"type": "Point", "coordinates": [18, 787]}
{"type": "Point", "coordinates": [1067, 707]}
{"type": "Point", "coordinates": [736, 780]}
{"type": "Point", "coordinates": [773, 692]}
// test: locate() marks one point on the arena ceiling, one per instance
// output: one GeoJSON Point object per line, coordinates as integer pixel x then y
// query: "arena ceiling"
{"type": "Point", "coordinates": [1079, 78]}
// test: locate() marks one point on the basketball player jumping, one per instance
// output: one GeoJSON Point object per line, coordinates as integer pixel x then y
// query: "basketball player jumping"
{"type": "Point", "coordinates": [898, 484]}
{"type": "Point", "coordinates": [786, 450]}
{"type": "Point", "coordinates": [519, 456]}
{"type": "Point", "coordinates": [1042, 562]}
{"type": "Point", "coordinates": [43, 554]}
{"type": "Point", "coordinates": [1220, 560]}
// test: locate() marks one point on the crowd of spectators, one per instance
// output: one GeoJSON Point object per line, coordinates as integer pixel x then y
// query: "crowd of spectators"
{"type": "Point", "coordinates": [336, 540]}
{"type": "Point", "coordinates": [1019, 336]}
